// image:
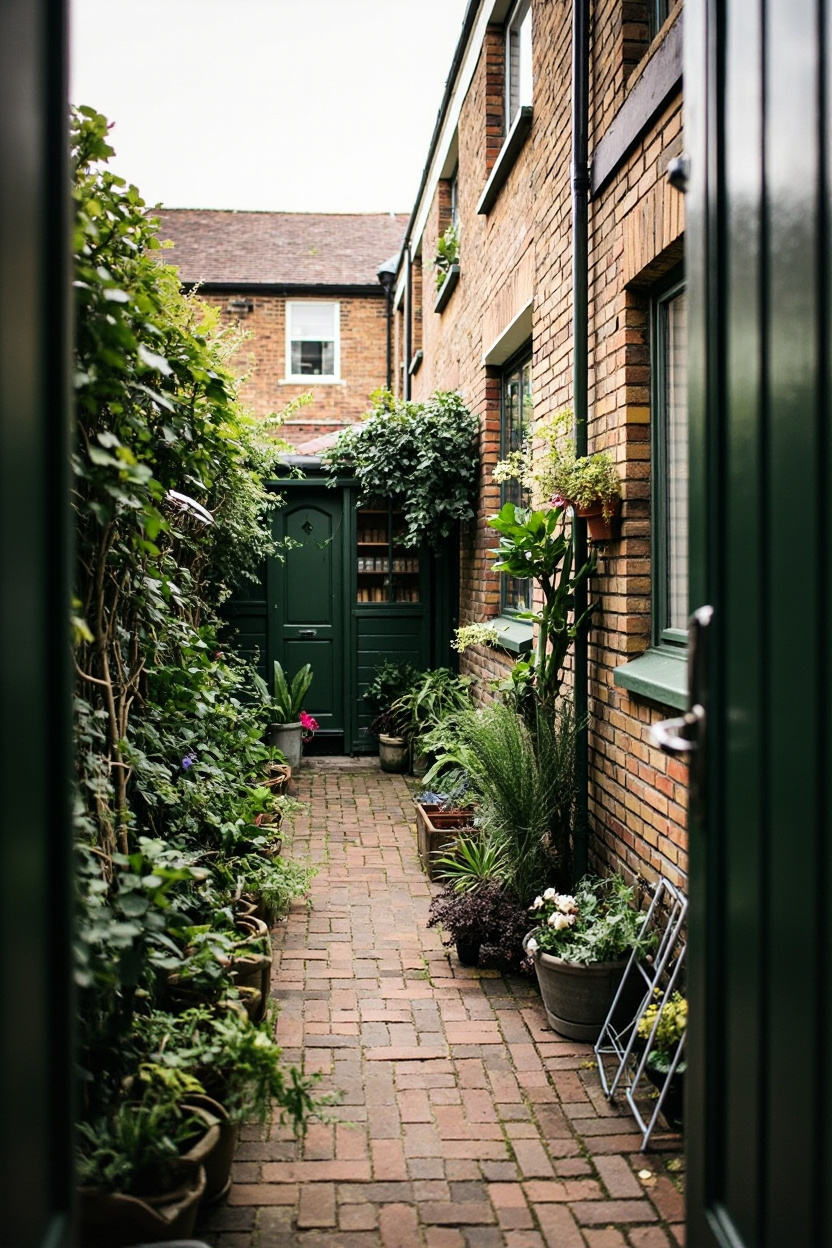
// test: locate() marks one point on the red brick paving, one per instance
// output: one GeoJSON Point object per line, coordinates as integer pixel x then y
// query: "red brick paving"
{"type": "Point", "coordinates": [464, 1122]}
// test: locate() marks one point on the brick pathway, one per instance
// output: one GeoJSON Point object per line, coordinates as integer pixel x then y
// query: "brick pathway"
{"type": "Point", "coordinates": [465, 1122]}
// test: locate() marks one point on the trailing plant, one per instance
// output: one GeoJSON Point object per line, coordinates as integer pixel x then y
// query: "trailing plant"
{"type": "Point", "coordinates": [447, 253]}
{"type": "Point", "coordinates": [549, 468]}
{"type": "Point", "coordinates": [422, 455]}
{"type": "Point", "coordinates": [600, 923]}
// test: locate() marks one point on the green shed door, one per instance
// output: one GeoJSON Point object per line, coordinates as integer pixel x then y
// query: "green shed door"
{"type": "Point", "coordinates": [307, 599]}
{"type": "Point", "coordinates": [758, 130]}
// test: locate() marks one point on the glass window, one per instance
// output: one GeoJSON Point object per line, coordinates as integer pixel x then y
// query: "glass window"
{"type": "Point", "coordinates": [670, 478]}
{"type": "Point", "coordinates": [518, 60]}
{"type": "Point", "coordinates": [312, 335]}
{"type": "Point", "coordinates": [516, 423]}
{"type": "Point", "coordinates": [659, 10]}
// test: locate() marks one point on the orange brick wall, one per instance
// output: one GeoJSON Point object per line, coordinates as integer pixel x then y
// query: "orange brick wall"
{"type": "Point", "coordinates": [262, 359]}
{"type": "Point", "coordinates": [638, 797]}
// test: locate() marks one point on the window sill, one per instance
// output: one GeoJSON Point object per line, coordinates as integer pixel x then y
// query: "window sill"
{"type": "Point", "coordinates": [416, 362]}
{"type": "Point", "coordinates": [311, 381]}
{"type": "Point", "coordinates": [659, 675]}
{"type": "Point", "coordinates": [515, 635]}
{"type": "Point", "coordinates": [447, 288]}
{"type": "Point", "coordinates": [509, 152]}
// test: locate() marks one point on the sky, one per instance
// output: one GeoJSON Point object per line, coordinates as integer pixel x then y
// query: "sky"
{"type": "Point", "coordinates": [283, 105]}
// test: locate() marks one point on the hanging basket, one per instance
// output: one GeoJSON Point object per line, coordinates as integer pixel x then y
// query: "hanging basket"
{"type": "Point", "coordinates": [603, 521]}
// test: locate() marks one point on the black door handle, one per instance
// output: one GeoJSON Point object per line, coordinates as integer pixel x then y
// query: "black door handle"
{"type": "Point", "coordinates": [307, 632]}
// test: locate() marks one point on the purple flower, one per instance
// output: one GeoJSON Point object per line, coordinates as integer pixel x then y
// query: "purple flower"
{"type": "Point", "coordinates": [188, 761]}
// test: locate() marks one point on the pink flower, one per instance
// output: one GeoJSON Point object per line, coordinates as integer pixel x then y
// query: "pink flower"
{"type": "Point", "coordinates": [309, 724]}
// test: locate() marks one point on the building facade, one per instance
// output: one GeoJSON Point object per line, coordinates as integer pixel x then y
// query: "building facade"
{"type": "Point", "coordinates": [304, 288]}
{"type": "Point", "coordinates": [501, 329]}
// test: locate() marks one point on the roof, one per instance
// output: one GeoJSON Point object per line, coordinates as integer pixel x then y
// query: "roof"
{"type": "Point", "coordinates": [229, 248]}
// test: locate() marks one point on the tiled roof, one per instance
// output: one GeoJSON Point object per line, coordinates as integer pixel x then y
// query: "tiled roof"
{"type": "Point", "coordinates": [291, 248]}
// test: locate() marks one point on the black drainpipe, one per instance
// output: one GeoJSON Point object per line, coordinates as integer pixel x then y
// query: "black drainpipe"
{"type": "Point", "coordinates": [408, 319]}
{"type": "Point", "coordinates": [580, 333]}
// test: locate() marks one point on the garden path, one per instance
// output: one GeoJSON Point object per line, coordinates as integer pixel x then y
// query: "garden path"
{"type": "Point", "coordinates": [465, 1122]}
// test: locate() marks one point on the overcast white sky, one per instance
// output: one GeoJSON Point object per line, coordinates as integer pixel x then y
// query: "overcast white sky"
{"type": "Point", "coordinates": [292, 105]}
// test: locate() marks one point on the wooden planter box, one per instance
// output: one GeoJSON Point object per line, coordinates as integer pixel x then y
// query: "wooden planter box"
{"type": "Point", "coordinates": [437, 829]}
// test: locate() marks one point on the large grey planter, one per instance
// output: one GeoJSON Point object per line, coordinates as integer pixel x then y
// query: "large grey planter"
{"type": "Point", "coordinates": [288, 738]}
{"type": "Point", "coordinates": [577, 996]}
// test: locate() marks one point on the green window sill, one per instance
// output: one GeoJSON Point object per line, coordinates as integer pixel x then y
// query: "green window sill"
{"type": "Point", "coordinates": [660, 675]}
{"type": "Point", "coordinates": [515, 635]}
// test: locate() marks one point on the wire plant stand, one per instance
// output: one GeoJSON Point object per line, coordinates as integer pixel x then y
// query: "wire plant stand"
{"type": "Point", "coordinates": [622, 1061]}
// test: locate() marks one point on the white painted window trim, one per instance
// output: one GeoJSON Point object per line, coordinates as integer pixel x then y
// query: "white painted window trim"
{"type": "Point", "coordinates": [521, 10]}
{"type": "Point", "coordinates": [309, 379]}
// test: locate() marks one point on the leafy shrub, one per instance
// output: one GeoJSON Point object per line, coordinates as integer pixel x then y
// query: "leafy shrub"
{"type": "Point", "coordinates": [422, 455]}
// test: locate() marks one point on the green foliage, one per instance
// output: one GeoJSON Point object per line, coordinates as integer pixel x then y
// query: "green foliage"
{"type": "Point", "coordinates": [550, 470]}
{"type": "Point", "coordinates": [539, 544]}
{"type": "Point", "coordinates": [600, 923]}
{"type": "Point", "coordinates": [471, 861]}
{"type": "Point", "coordinates": [422, 455]}
{"type": "Point", "coordinates": [447, 253]}
{"type": "Point", "coordinates": [523, 781]}
{"type": "Point", "coordinates": [288, 699]}
{"type": "Point", "coordinates": [390, 682]}
{"type": "Point", "coordinates": [169, 751]}
{"type": "Point", "coordinates": [435, 694]}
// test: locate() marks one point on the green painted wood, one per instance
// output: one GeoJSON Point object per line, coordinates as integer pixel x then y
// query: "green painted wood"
{"type": "Point", "coordinates": [36, 1053]}
{"type": "Point", "coordinates": [247, 613]}
{"type": "Point", "coordinates": [305, 588]}
{"type": "Point", "coordinates": [401, 634]}
{"type": "Point", "coordinates": [759, 1113]}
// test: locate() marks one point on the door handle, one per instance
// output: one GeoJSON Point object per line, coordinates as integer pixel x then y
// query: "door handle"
{"type": "Point", "coordinates": [685, 735]}
{"type": "Point", "coordinates": [306, 633]}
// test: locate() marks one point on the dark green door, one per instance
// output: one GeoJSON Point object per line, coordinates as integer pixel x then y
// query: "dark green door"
{"type": "Point", "coordinates": [759, 1119]}
{"type": "Point", "coordinates": [306, 593]}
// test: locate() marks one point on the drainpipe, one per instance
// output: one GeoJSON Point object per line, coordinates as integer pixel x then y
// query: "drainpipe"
{"type": "Point", "coordinates": [580, 334]}
{"type": "Point", "coordinates": [408, 320]}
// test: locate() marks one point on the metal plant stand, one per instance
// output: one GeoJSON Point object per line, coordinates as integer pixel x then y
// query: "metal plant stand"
{"type": "Point", "coordinates": [658, 973]}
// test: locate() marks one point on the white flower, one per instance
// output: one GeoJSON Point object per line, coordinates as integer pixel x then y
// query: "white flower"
{"type": "Point", "coordinates": [560, 921]}
{"type": "Point", "coordinates": [549, 895]}
{"type": "Point", "coordinates": [552, 919]}
{"type": "Point", "coordinates": [536, 904]}
{"type": "Point", "coordinates": [566, 905]}
{"type": "Point", "coordinates": [531, 945]}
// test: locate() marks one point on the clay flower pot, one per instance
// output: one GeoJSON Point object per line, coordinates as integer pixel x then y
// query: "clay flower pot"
{"type": "Point", "coordinates": [577, 996]}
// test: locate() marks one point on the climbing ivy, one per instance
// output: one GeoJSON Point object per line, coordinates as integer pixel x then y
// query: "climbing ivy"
{"type": "Point", "coordinates": [423, 455]}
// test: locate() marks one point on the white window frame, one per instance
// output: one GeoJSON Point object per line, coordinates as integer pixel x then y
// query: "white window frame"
{"type": "Point", "coordinates": [518, 92]}
{"type": "Point", "coordinates": [311, 379]}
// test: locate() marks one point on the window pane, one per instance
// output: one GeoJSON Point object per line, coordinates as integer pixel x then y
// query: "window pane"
{"type": "Point", "coordinates": [312, 321]}
{"type": "Point", "coordinates": [675, 314]}
{"type": "Point", "coordinates": [518, 62]}
{"type": "Point", "coordinates": [313, 359]}
{"type": "Point", "coordinates": [517, 418]}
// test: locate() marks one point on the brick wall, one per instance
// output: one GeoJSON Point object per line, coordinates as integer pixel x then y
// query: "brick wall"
{"type": "Point", "coordinates": [637, 800]}
{"type": "Point", "coordinates": [262, 360]}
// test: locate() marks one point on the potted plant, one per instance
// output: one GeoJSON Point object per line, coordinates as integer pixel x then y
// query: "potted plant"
{"type": "Point", "coordinates": [580, 949]}
{"type": "Point", "coordinates": [431, 698]}
{"type": "Point", "coordinates": [662, 1027]}
{"type": "Point", "coordinates": [286, 704]}
{"type": "Point", "coordinates": [137, 1181]}
{"type": "Point", "coordinates": [390, 682]}
{"type": "Point", "coordinates": [589, 483]}
{"type": "Point", "coordinates": [477, 906]}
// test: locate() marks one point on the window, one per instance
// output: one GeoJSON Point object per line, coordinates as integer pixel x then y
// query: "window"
{"type": "Point", "coordinates": [516, 422]}
{"type": "Point", "coordinates": [658, 11]}
{"type": "Point", "coordinates": [312, 341]}
{"type": "Point", "coordinates": [670, 459]}
{"type": "Point", "coordinates": [518, 60]}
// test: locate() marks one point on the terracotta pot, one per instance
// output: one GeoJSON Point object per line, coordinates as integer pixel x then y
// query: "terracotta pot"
{"type": "Point", "coordinates": [393, 753]}
{"type": "Point", "coordinates": [437, 830]}
{"type": "Point", "coordinates": [288, 738]}
{"type": "Point", "coordinates": [114, 1220]}
{"type": "Point", "coordinates": [601, 527]}
{"type": "Point", "coordinates": [577, 996]}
